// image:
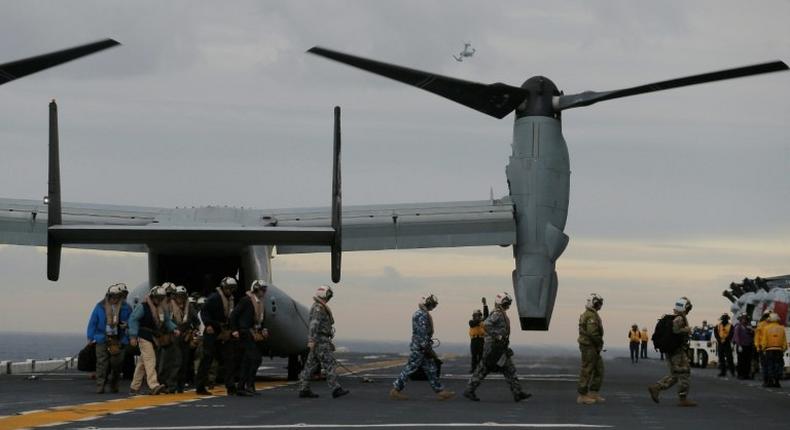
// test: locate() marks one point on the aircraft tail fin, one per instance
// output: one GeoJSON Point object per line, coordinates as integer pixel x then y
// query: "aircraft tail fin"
{"type": "Point", "coordinates": [337, 215]}
{"type": "Point", "coordinates": [54, 216]}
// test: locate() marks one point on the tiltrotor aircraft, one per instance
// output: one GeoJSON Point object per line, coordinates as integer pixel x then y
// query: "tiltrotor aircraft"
{"type": "Point", "coordinates": [538, 174]}
{"type": "Point", "coordinates": [465, 53]}
{"type": "Point", "coordinates": [197, 247]}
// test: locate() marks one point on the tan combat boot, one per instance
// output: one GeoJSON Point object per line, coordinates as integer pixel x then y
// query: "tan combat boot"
{"type": "Point", "coordinates": [686, 403]}
{"type": "Point", "coordinates": [654, 390]}
{"type": "Point", "coordinates": [445, 395]}
{"type": "Point", "coordinates": [596, 396]}
{"type": "Point", "coordinates": [585, 399]}
{"type": "Point", "coordinates": [395, 394]}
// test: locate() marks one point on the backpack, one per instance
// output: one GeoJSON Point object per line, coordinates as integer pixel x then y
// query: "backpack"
{"type": "Point", "coordinates": [664, 339]}
{"type": "Point", "coordinates": [86, 360]}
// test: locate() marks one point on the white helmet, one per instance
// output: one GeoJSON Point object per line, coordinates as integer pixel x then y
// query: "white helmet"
{"type": "Point", "coordinates": [683, 305]}
{"type": "Point", "coordinates": [430, 302]}
{"type": "Point", "coordinates": [503, 300]}
{"type": "Point", "coordinates": [201, 301]}
{"type": "Point", "coordinates": [114, 290]}
{"type": "Point", "coordinates": [169, 287]}
{"type": "Point", "coordinates": [258, 285]}
{"type": "Point", "coordinates": [158, 291]}
{"type": "Point", "coordinates": [229, 282]}
{"type": "Point", "coordinates": [324, 293]}
{"type": "Point", "coordinates": [773, 317]}
{"type": "Point", "coordinates": [180, 290]}
{"type": "Point", "coordinates": [594, 301]}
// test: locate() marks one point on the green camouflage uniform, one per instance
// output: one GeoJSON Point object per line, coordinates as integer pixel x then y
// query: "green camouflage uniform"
{"type": "Point", "coordinates": [590, 344]}
{"type": "Point", "coordinates": [497, 339]}
{"type": "Point", "coordinates": [320, 334]}
{"type": "Point", "coordinates": [678, 361]}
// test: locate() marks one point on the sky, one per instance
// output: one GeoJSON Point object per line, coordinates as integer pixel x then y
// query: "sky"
{"type": "Point", "coordinates": [675, 193]}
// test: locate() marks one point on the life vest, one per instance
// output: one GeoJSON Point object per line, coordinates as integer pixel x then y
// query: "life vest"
{"type": "Point", "coordinates": [477, 331]}
{"type": "Point", "coordinates": [758, 334]}
{"type": "Point", "coordinates": [634, 336]}
{"type": "Point", "coordinates": [774, 337]}
{"type": "Point", "coordinates": [724, 330]}
{"type": "Point", "coordinates": [644, 336]}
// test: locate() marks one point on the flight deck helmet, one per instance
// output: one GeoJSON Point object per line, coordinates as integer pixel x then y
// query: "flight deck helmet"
{"type": "Point", "coordinates": [324, 293]}
{"type": "Point", "coordinates": [595, 302]}
{"type": "Point", "coordinates": [430, 302]}
{"type": "Point", "coordinates": [683, 305]}
{"type": "Point", "coordinates": [503, 300]}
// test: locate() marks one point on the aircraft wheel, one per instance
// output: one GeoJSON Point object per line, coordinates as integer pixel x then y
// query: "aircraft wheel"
{"type": "Point", "coordinates": [703, 359]}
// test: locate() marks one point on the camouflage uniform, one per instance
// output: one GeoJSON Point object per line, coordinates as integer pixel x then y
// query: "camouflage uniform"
{"type": "Point", "coordinates": [497, 339]}
{"type": "Point", "coordinates": [678, 361]}
{"type": "Point", "coordinates": [590, 344]}
{"type": "Point", "coordinates": [422, 354]}
{"type": "Point", "coordinates": [320, 334]}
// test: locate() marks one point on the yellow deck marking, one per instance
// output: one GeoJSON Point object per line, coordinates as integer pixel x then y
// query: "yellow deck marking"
{"type": "Point", "coordinates": [86, 411]}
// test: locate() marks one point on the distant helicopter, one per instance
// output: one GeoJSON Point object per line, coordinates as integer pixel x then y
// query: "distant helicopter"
{"type": "Point", "coordinates": [466, 53]}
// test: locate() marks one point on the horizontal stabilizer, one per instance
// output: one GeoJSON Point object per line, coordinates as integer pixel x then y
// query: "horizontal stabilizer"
{"type": "Point", "coordinates": [107, 234]}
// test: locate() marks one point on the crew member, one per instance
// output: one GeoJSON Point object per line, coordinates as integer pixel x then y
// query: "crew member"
{"type": "Point", "coordinates": [477, 334]}
{"type": "Point", "coordinates": [634, 338]}
{"type": "Point", "coordinates": [246, 322]}
{"type": "Point", "coordinates": [590, 344]}
{"type": "Point", "coordinates": [744, 341]}
{"type": "Point", "coordinates": [217, 336]}
{"type": "Point", "coordinates": [758, 343]}
{"type": "Point", "coordinates": [724, 333]}
{"type": "Point", "coordinates": [320, 346]}
{"type": "Point", "coordinates": [496, 352]}
{"type": "Point", "coordinates": [643, 338]}
{"type": "Point", "coordinates": [774, 344]}
{"type": "Point", "coordinates": [167, 354]}
{"type": "Point", "coordinates": [422, 355]}
{"type": "Point", "coordinates": [677, 359]}
{"type": "Point", "coordinates": [150, 322]}
{"type": "Point", "coordinates": [176, 357]}
{"type": "Point", "coordinates": [107, 329]}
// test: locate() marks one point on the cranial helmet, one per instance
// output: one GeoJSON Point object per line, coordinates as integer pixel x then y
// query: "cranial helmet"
{"type": "Point", "coordinates": [774, 317]}
{"type": "Point", "coordinates": [258, 285]}
{"type": "Point", "coordinates": [324, 293]}
{"type": "Point", "coordinates": [430, 302]}
{"type": "Point", "coordinates": [114, 290]}
{"type": "Point", "coordinates": [477, 312]}
{"type": "Point", "coordinates": [180, 290]}
{"type": "Point", "coordinates": [595, 301]}
{"type": "Point", "coordinates": [683, 305]}
{"type": "Point", "coordinates": [724, 317]}
{"type": "Point", "coordinates": [503, 300]}
{"type": "Point", "coordinates": [158, 292]}
{"type": "Point", "coordinates": [170, 288]}
{"type": "Point", "coordinates": [228, 282]}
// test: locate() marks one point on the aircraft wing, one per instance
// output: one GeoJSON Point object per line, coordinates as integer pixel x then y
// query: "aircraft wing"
{"type": "Point", "coordinates": [410, 225]}
{"type": "Point", "coordinates": [377, 227]}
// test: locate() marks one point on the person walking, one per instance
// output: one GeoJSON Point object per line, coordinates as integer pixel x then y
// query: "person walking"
{"type": "Point", "coordinates": [477, 334]}
{"type": "Point", "coordinates": [634, 339]}
{"type": "Point", "coordinates": [673, 339]}
{"type": "Point", "coordinates": [724, 333]}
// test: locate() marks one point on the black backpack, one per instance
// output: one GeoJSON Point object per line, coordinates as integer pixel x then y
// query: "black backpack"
{"type": "Point", "coordinates": [86, 360]}
{"type": "Point", "coordinates": [664, 339]}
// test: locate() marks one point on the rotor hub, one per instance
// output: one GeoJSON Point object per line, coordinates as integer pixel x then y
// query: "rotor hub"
{"type": "Point", "coordinates": [539, 102]}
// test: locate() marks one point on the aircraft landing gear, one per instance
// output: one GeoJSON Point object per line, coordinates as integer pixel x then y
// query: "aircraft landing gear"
{"type": "Point", "coordinates": [296, 363]}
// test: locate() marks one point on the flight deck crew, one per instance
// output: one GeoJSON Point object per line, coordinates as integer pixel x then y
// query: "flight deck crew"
{"type": "Point", "coordinates": [217, 336]}
{"type": "Point", "coordinates": [246, 323]}
{"type": "Point", "coordinates": [744, 339]}
{"type": "Point", "coordinates": [773, 343]}
{"type": "Point", "coordinates": [496, 352]}
{"type": "Point", "coordinates": [320, 346]}
{"type": "Point", "coordinates": [590, 345]}
{"type": "Point", "coordinates": [634, 339]}
{"type": "Point", "coordinates": [758, 344]}
{"type": "Point", "coordinates": [107, 329]}
{"type": "Point", "coordinates": [421, 354]}
{"type": "Point", "coordinates": [724, 333]}
{"type": "Point", "coordinates": [677, 360]}
{"type": "Point", "coordinates": [477, 334]}
{"type": "Point", "coordinates": [643, 338]}
{"type": "Point", "coordinates": [175, 362]}
{"type": "Point", "coordinates": [167, 354]}
{"type": "Point", "coordinates": [150, 322]}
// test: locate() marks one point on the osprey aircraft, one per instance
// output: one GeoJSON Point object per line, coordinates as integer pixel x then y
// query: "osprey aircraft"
{"type": "Point", "coordinates": [197, 247]}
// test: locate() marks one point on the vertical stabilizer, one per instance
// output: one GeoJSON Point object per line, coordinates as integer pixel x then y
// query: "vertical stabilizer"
{"type": "Point", "coordinates": [53, 195]}
{"type": "Point", "coordinates": [337, 216]}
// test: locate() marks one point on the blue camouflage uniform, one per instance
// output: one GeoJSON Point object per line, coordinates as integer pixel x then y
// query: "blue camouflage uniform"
{"type": "Point", "coordinates": [321, 332]}
{"type": "Point", "coordinates": [496, 353]}
{"type": "Point", "coordinates": [422, 354]}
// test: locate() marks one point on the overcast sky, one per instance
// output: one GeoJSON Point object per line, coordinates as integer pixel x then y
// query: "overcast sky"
{"type": "Point", "coordinates": [672, 193]}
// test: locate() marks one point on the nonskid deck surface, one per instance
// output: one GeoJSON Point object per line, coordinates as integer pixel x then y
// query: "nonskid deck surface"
{"type": "Point", "coordinates": [724, 403]}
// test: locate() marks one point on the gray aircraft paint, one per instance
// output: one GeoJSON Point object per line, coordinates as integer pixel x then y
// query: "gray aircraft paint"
{"type": "Point", "coordinates": [539, 180]}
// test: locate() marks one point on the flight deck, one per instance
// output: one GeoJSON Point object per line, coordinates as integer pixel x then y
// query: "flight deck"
{"type": "Point", "coordinates": [67, 401]}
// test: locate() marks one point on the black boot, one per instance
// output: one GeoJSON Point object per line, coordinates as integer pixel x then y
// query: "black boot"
{"type": "Point", "coordinates": [521, 396]}
{"type": "Point", "coordinates": [339, 392]}
{"type": "Point", "coordinates": [307, 394]}
{"type": "Point", "coordinates": [469, 394]}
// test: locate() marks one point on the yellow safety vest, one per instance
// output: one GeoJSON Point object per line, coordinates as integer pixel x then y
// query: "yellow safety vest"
{"type": "Point", "coordinates": [644, 337]}
{"type": "Point", "coordinates": [634, 336]}
{"type": "Point", "coordinates": [774, 337]}
{"type": "Point", "coordinates": [758, 335]}
{"type": "Point", "coordinates": [477, 331]}
{"type": "Point", "coordinates": [724, 330]}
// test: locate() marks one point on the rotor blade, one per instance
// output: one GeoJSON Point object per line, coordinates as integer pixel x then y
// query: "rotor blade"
{"type": "Point", "coordinates": [589, 97]}
{"type": "Point", "coordinates": [19, 68]}
{"type": "Point", "coordinates": [496, 100]}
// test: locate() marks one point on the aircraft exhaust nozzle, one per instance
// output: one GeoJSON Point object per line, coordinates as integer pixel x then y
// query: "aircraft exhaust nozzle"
{"type": "Point", "coordinates": [337, 215]}
{"type": "Point", "coordinates": [729, 296]}
{"type": "Point", "coordinates": [54, 215]}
